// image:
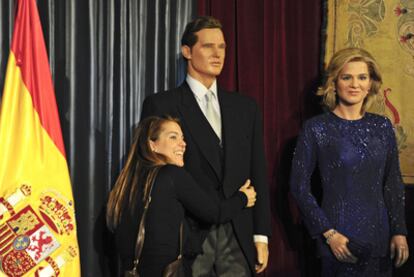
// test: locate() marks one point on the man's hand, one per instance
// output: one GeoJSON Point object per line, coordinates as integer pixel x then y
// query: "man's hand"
{"type": "Point", "coordinates": [262, 256]}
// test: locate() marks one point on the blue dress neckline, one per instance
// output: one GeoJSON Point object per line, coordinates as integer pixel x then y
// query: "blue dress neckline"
{"type": "Point", "coordinates": [347, 120]}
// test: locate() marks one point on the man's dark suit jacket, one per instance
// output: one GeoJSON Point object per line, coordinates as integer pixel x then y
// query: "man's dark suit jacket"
{"type": "Point", "coordinates": [221, 171]}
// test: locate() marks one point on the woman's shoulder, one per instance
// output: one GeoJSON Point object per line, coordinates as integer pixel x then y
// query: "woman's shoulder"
{"type": "Point", "coordinates": [317, 119]}
{"type": "Point", "coordinates": [170, 169]}
{"type": "Point", "coordinates": [380, 120]}
{"type": "Point", "coordinates": [177, 177]}
{"type": "Point", "coordinates": [316, 123]}
{"type": "Point", "coordinates": [172, 172]}
{"type": "Point", "coordinates": [379, 124]}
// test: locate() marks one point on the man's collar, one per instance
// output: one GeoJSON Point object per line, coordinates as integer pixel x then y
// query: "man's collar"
{"type": "Point", "coordinates": [199, 89]}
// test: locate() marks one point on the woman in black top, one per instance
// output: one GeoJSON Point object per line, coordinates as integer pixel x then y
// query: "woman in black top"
{"type": "Point", "coordinates": [157, 154]}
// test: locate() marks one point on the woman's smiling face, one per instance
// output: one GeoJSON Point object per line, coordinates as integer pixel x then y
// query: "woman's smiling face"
{"type": "Point", "coordinates": [170, 143]}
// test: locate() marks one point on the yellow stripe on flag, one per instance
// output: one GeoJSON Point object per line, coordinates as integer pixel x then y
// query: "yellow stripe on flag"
{"type": "Point", "coordinates": [28, 153]}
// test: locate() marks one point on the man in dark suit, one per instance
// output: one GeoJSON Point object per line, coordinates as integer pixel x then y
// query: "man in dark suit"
{"type": "Point", "coordinates": [224, 137]}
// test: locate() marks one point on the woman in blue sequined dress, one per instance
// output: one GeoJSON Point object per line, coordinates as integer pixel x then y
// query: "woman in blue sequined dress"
{"type": "Point", "coordinates": [360, 224]}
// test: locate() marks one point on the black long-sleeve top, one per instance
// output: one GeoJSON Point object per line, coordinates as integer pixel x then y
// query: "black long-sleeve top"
{"type": "Point", "coordinates": [174, 193]}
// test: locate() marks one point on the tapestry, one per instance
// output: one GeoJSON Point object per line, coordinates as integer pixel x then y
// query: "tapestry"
{"type": "Point", "coordinates": [386, 29]}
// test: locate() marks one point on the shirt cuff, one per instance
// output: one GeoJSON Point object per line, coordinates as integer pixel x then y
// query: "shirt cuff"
{"type": "Point", "coordinates": [260, 238]}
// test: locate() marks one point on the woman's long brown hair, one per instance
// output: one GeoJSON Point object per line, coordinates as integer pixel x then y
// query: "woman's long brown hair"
{"type": "Point", "coordinates": [141, 168]}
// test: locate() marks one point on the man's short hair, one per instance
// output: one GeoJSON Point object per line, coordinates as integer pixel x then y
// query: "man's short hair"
{"type": "Point", "coordinates": [189, 37]}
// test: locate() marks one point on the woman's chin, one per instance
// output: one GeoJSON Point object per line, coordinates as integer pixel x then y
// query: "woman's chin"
{"type": "Point", "coordinates": [177, 163]}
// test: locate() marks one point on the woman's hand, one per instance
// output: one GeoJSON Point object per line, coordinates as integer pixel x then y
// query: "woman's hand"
{"type": "Point", "coordinates": [250, 193]}
{"type": "Point", "coordinates": [338, 245]}
{"type": "Point", "coordinates": [399, 246]}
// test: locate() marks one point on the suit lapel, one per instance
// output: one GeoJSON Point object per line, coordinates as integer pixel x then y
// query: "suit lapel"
{"type": "Point", "coordinates": [199, 128]}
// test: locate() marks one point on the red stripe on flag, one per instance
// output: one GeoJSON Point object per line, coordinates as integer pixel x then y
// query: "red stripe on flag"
{"type": "Point", "coordinates": [29, 49]}
{"type": "Point", "coordinates": [6, 249]}
{"type": "Point", "coordinates": [5, 231]}
{"type": "Point", "coordinates": [6, 240]}
{"type": "Point", "coordinates": [3, 228]}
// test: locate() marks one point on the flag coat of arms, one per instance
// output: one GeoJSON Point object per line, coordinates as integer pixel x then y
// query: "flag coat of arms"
{"type": "Point", "coordinates": [37, 213]}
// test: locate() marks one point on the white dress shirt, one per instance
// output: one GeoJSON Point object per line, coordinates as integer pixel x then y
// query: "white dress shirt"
{"type": "Point", "coordinates": [200, 91]}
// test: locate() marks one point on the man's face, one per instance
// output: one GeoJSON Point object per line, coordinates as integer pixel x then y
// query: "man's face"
{"type": "Point", "coordinates": [206, 57]}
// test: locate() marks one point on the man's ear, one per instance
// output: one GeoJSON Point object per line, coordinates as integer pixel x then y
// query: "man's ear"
{"type": "Point", "coordinates": [186, 52]}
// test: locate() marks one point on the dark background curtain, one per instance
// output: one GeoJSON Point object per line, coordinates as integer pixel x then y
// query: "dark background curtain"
{"type": "Point", "coordinates": [106, 56]}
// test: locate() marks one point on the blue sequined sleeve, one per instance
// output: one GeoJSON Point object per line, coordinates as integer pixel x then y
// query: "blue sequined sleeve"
{"type": "Point", "coordinates": [393, 186]}
{"type": "Point", "coordinates": [304, 162]}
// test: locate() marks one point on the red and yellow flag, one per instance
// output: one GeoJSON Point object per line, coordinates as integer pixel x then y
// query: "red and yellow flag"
{"type": "Point", "coordinates": [37, 213]}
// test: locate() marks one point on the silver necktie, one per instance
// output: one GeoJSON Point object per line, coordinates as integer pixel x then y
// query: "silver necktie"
{"type": "Point", "coordinates": [211, 114]}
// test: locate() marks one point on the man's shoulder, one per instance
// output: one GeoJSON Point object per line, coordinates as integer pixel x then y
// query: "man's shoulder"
{"type": "Point", "coordinates": [165, 99]}
{"type": "Point", "coordinates": [166, 94]}
{"type": "Point", "coordinates": [238, 98]}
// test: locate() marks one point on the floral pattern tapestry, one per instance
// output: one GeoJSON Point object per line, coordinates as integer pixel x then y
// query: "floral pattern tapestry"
{"type": "Point", "coordinates": [386, 29]}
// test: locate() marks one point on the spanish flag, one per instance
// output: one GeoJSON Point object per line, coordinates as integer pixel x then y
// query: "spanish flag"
{"type": "Point", "coordinates": [37, 213]}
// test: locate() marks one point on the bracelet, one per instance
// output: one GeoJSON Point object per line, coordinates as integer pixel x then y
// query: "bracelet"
{"type": "Point", "coordinates": [330, 236]}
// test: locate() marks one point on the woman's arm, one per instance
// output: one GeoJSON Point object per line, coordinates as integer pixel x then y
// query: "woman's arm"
{"type": "Point", "coordinates": [395, 200]}
{"type": "Point", "coordinates": [200, 204]}
{"type": "Point", "coordinates": [303, 165]}
{"type": "Point", "coordinates": [393, 186]}
{"type": "Point", "coordinates": [304, 162]}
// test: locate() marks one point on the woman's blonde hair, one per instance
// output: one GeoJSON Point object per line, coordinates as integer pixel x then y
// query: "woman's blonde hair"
{"type": "Point", "coordinates": [140, 169]}
{"type": "Point", "coordinates": [336, 64]}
